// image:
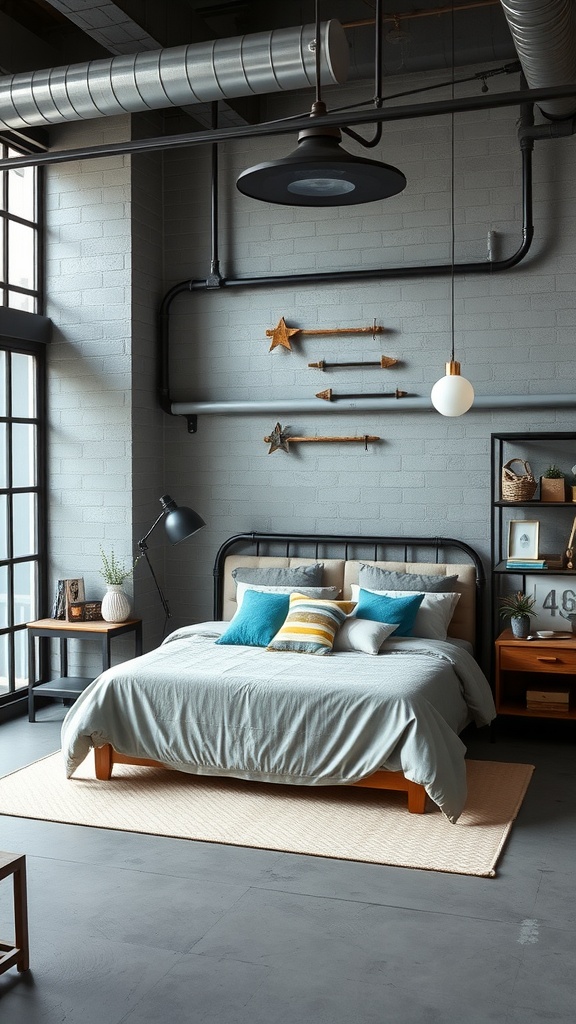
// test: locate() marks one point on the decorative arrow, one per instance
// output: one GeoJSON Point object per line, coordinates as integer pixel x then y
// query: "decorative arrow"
{"type": "Point", "coordinates": [329, 395]}
{"type": "Point", "coordinates": [279, 439]}
{"type": "Point", "coordinates": [384, 362]}
{"type": "Point", "coordinates": [282, 333]}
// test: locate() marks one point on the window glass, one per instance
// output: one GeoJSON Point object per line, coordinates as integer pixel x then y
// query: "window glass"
{"type": "Point", "coordinates": [20, 659]}
{"type": "Point", "coordinates": [3, 466]}
{"type": "Point", "coordinates": [23, 455]}
{"type": "Point", "coordinates": [3, 596]}
{"type": "Point", "coordinates": [24, 591]}
{"type": "Point", "coordinates": [24, 525]}
{"type": "Point", "coordinates": [2, 383]}
{"type": "Point", "coordinates": [3, 544]}
{"type": "Point", "coordinates": [18, 300]}
{"type": "Point", "coordinates": [4, 675]}
{"type": "Point", "coordinates": [21, 255]}
{"type": "Point", "coordinates": [23, 391]}
{"type": "Point", "coordinates": [21, 185]}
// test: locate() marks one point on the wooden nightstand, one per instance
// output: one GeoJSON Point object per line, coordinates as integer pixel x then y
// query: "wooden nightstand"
{"type": "Point", "coordinates": [545, 668]}
{"type": "Point", "coordinates": [70, 687]}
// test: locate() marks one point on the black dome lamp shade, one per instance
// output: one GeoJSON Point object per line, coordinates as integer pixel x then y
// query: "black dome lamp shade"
{"type": "Point", "coordinates": [320, 173]}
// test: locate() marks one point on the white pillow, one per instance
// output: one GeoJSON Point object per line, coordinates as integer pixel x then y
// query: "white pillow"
{"type": "Point", "coordinates": [434, 615]}
{"type": "Point", "coordinates": [362, 635]}
{"type": "Point", "coordinates": [330, 593]}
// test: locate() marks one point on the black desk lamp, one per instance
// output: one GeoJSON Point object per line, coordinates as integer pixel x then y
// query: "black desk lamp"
{"type": "Point", "coordinates": [180, 523]}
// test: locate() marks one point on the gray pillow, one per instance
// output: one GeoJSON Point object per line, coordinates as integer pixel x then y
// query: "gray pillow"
{"type": "Point", "coordinates": [371, 577]}
{"type": "Point", "coordinates": [277, 576]}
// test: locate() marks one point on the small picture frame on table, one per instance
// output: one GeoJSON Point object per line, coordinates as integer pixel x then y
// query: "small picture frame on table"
{"type": "Point", "coordinates": [85, 611]}
{"type": "Point", "coordinates": [74, 594]}
{"type": "Point", "coordinates": [523, 537]}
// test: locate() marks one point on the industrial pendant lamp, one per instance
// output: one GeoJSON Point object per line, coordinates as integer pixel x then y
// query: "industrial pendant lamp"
{"type": "Point", "coordinates": [452, 395]}
{"type": "Point", "coordinates": [319, 172]}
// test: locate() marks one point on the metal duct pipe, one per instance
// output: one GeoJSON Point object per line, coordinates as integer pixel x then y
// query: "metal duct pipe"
{"type": "Point", "coordinates": [416, 404]}
{"type": "Point", "coordinates": [544, 33]}
{"type": "Point", "coordinates": [250, 65]}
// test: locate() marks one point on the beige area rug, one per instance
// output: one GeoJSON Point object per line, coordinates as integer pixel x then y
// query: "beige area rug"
{"type": "Point", "coordinates": [346, 823]}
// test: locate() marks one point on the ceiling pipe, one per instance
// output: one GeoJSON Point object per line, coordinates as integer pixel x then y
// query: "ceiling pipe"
{"type": "Point", "coordinates": [251, 65]}
{"type": "Point", "coordinates": [544, 34]}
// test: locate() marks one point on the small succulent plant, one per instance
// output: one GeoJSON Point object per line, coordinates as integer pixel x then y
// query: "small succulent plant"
{"type": "Point", "coordinates": [516, 604]}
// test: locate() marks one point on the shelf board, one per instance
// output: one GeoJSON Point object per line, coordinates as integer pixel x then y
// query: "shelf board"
{"type": "Point", "coordinates": [65, 686]}
{"type": "Point", "coordinates": [534, 503]}
{"type": "Point", "coordinates": [500, 567]}
{"type": "Point", "coordinates": [524, 712]}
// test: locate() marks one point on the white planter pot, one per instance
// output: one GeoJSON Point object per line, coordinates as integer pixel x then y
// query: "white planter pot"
{"type": "Point", "coordinates": [115, 604]}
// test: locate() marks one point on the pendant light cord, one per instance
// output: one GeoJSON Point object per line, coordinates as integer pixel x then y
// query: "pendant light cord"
{"type": "Point", "coordinates": [317, 53]}
{"type": "Point", "coordinates": [452, 233]}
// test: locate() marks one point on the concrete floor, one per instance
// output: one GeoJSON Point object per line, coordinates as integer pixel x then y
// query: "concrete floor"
{"type": "Point", "coordinates": [145, 930]}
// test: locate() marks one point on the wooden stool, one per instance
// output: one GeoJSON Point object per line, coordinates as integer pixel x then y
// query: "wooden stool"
{"type": "Point", "coordinates": [15, 864]}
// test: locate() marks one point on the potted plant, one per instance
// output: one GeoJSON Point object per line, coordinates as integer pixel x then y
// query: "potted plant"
{"type": "Point", "coordinates": [115, 603]}
{"type": "Point", "coordinates": [553, 485]}
{"type": "Point", "coordinates": [518, 608]}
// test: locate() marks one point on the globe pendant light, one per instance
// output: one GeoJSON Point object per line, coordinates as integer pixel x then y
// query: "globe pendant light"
{"type": "Point", "coordinates": [319, 172]}
{"type": "Point", "coordinates": [452, 395]}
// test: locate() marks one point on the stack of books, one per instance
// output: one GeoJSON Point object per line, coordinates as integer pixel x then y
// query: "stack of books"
{"type": "Point", "coordinates": [526, 563]}
{"type": "Point", "coordinates": [548, 700]}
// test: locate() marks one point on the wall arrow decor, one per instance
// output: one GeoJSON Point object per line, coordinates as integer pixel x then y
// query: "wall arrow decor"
{"type": "Point", "coordinates": [329, 396]}
{"type": "Point", "coordinates": [281, 334]}
{"type": "Point", "coordinates": [279, 439]}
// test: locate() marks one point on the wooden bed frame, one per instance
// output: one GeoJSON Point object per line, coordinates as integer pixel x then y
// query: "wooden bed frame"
{"type": "Point", "coordinates": [341, 556]}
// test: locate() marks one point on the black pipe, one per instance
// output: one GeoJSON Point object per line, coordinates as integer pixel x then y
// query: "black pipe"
{"type": "Point", "coordinates": [292, 126]}
{"type": "Point", "coordinates": [328, 277]}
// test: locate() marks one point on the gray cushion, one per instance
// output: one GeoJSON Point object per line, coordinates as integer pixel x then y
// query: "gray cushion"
{"type": "Point", "coordinates": [278, 576]}
{"type": "Point", "coordinates": [371, 577]}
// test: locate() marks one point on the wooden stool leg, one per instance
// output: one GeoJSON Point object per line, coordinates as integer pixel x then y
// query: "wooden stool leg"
{"type": "Point", "coordinates": [21, 916]}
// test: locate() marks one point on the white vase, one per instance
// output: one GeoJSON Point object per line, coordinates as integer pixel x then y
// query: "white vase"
{"type": "Point", "coordinates": [115, 604]}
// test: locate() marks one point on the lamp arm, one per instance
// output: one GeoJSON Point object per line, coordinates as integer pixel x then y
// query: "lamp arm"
{"type": "Point", "coordinates": [144, 550]}
{"type": "Point", "coordinates": [142, 543]}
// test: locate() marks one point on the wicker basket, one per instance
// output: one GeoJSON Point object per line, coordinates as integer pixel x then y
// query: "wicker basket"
{"type": "Point", "coordinates": [516, 486]}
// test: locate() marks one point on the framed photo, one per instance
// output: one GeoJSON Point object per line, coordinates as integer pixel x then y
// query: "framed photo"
{"type": "Point", "coordinates": [74, 594]}
{"type": "Point", "coordinates": [85, 611]}
{"type": "Point", "coordinates": [523, 536]}
{"type": "Point", "coordinates": [555, 598]}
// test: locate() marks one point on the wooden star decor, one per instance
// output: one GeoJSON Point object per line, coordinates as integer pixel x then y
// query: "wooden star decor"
{"type": "Point", "coordinates": [279, 439]}
{"type": "Point", "coordinates": [281, 334]}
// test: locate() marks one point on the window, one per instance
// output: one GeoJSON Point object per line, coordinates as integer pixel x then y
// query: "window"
{"type": "Point", "coordinates": [22, 498]}
{"type": "Point", "coordinates": [19, 235]}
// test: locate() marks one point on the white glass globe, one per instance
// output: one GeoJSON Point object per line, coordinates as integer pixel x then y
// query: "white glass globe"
{"type": "Point", "coordinates": [452, 395]}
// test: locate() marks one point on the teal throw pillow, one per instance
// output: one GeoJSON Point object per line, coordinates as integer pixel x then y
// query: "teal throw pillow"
{"type": "Point", "coordinates": [258, 619]}
{"type": "Point", "coordinates": [399, 610]}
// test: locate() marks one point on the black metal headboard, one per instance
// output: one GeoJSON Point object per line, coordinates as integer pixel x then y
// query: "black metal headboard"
{"type": "Point", "coordinates": [340, 546]}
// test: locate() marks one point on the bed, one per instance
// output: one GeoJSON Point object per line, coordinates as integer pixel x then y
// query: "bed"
{"type": "Point", "coordinates": [385, 709]}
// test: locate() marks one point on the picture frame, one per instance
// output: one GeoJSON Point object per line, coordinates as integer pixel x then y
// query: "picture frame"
{"type": "Point", "coordinates": [74, 593]}
{"type": "Point", "coordinates": [555, 601]}
{"type": "Point", "coordinates": [523, 539]}
{"type": "Point", "coordinates": [85, 611]}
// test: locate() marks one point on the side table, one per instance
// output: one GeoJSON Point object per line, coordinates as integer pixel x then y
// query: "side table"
{"type": "Point", "coordinates": [70, 687]}
{"type": "Point", "coordinates": [535, 678]}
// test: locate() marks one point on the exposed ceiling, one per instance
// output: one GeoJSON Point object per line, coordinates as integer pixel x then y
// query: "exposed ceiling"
{"type": "Point", "coordinates": [416, 35]}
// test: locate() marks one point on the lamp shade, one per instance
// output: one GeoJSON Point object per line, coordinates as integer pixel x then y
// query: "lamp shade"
{"type": "Point", "coordinates": [452, 395]}
{"type": "Point", "coordinates": [320, 173]}
{"type": "Point", "coordinates": [180, 522]}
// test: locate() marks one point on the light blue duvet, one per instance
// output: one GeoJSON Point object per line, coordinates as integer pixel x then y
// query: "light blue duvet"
{"type": "Point", "coordinates": [211, 709]}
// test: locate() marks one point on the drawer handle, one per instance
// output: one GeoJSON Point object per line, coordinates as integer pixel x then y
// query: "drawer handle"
{"type": "Point", "coordinates": [547, 659]}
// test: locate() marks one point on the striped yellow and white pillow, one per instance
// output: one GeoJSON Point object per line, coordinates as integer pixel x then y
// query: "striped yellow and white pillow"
{"type": "Point", "coordinates": [310, 626]}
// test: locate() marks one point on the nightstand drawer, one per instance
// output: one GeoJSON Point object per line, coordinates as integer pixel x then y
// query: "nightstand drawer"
{"type": "Point", "coordinates": [538, 659]}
